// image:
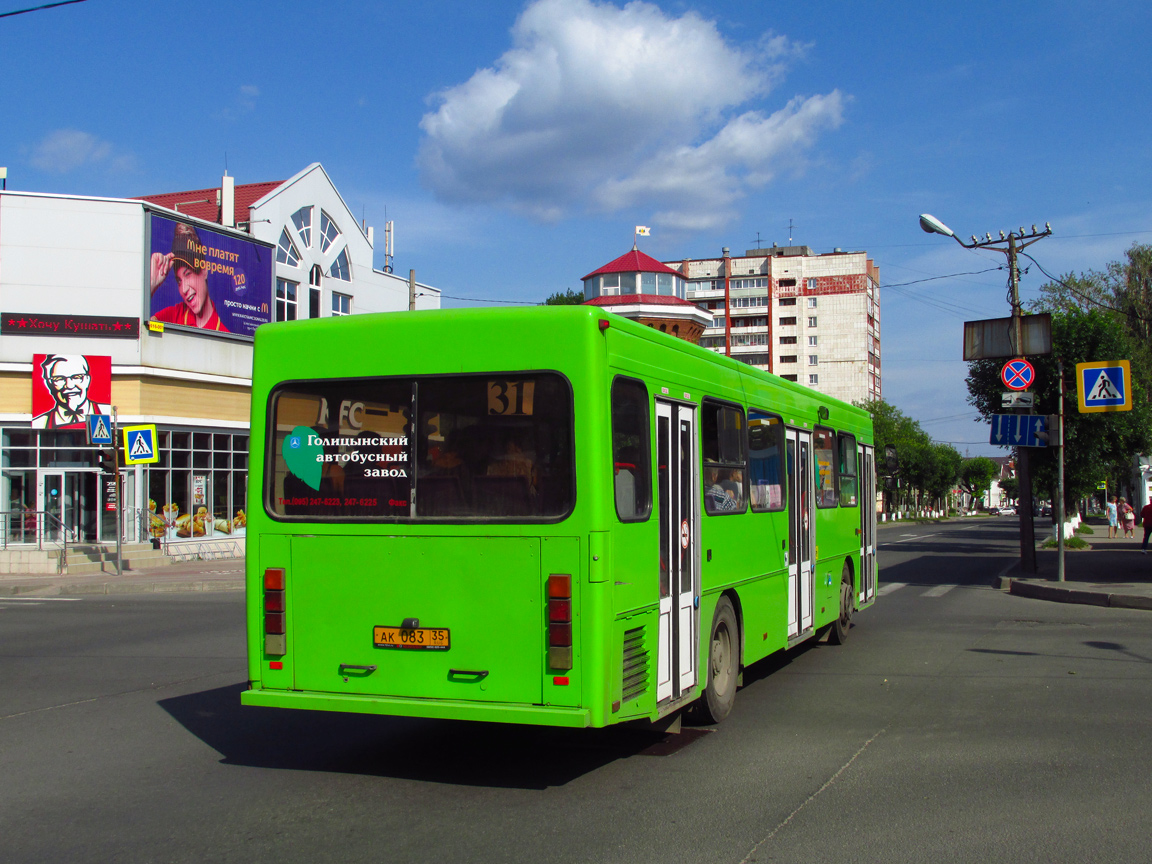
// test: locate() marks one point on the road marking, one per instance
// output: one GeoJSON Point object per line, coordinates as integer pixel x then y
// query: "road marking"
{"type": "Point", "coordinates": [890, 587]}
{"type": "Point", "coordinates": [938, 591]}
{"type": "Point", "coordinates": [39, 599]}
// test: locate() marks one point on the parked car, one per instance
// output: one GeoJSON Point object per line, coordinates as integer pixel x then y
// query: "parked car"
{"type": "Point", "coordinates": [1006, 511]}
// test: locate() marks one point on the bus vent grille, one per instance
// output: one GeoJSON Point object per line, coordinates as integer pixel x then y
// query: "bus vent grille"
{"type": "Point", "coordinates": [635, 665]}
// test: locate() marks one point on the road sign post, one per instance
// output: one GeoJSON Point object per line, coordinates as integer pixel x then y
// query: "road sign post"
{"type": "Point", "coordinates": [119, 519]}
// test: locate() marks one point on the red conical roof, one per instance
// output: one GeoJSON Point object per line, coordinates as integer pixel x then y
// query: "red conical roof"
{"type": "Point", "coordinates": [633, 262]}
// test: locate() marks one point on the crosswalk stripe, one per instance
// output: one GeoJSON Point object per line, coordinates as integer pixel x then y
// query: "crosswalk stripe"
{"type": "Point", "coordinates": [890, 587]}
{"type": "Point", "coordinates": [938, 591]}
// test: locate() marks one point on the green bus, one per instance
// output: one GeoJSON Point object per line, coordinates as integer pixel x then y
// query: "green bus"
{"type": "Point", "coordinates": [545, 515]}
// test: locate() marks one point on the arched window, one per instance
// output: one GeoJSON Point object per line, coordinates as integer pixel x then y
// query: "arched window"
{"type": "Point", "coordinates": [328, 232]}
{"type": "Point", "coordinates": [286, 250]}
{"type": "Point", "coordinates": [302, 219]}
{"type": "Point", "coordinates": [340, 269]}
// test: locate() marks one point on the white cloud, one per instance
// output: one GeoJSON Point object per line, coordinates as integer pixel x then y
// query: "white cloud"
{"type": "Point", "coordinates": [66, 150]}
{"type": "Point", "coordinates": [608, 108]}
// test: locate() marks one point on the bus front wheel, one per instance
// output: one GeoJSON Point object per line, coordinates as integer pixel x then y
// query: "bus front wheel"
{"type": "Point", "coordinates": [839, 632]}
{"type": "Point", "coordinates": [723, 663]}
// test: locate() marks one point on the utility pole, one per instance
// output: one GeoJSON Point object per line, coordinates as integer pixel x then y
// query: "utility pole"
{"type": "Point", "coordinates": [116, 477]}
{"type": "Point", "coordinates": [1011, 245]}
{"type": "Point", "coordinates": [727, 312]}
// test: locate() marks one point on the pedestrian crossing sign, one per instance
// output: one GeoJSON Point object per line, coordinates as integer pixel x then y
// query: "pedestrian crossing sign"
{"type": "Point", "coordinates": [140, 445]}
{"type": "Point", "coordinates": [1104, 385]}
{"type": "Point", "coordinates": [99, 430]}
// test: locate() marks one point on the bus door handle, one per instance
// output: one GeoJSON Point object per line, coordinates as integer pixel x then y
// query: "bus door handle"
{"type": "Point", "coordinates": [474, 674]}
{"type": "Point", "coordinates": [344, 667]}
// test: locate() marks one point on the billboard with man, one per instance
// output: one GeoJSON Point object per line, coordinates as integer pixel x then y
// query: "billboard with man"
{"type": "Point", "coordinates": [207, 280]}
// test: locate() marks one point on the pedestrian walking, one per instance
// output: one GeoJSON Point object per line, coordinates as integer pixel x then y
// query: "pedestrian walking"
{"type": "Point", "coordinates": [1146, 521]}
{"type": "Point", "coordinates": [1128, 518]}
{"type": "Point", "coordinates": [1112, 518]}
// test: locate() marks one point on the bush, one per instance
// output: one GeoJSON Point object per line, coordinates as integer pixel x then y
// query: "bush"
{"type": "Point", "coordinates": [1085, 528]}
{"type": "Point", "coordinates": [1070, 543]}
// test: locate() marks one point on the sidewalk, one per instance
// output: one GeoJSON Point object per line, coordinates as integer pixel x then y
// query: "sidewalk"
{"type": "Point", "coordinates": [1112, 573]}
{"type": "Point", "coordinates": [218, 575]}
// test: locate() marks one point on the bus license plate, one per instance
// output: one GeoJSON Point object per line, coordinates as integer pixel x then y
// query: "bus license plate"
{"type": "Point", "coordinates": [428, 638]}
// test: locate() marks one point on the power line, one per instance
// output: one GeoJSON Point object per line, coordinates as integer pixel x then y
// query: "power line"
{"type": "Point", "coordinates": [38, 8]}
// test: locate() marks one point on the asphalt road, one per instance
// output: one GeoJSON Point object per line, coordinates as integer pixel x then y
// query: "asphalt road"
{"type": "Point", "coordinates": [959, 723]}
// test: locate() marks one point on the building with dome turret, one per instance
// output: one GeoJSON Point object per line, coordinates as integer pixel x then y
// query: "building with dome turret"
{"type": "Point", "coordinates": [639, 287]}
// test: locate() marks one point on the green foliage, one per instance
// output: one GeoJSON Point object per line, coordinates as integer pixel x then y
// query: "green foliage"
{"type": "Point", "coordinates": [1072, 542]}
{"type": "Point", "coordinates": [1085, 528]}
{"type": "Point", "coordinates": [565, 298]}
{"type": "Point", "coordinates": [1010, 486]}
{"type": "Point", "coordinates": [976, 475]}
{"type": "Point", "coordinates": [930, 468]}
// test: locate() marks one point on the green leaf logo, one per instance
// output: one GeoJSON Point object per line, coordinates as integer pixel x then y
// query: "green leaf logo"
{"type": "Point", "coordinates": [303, 458]}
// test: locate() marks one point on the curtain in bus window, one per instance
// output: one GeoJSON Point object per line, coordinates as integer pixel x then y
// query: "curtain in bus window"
{"type": "Point", "coordinates": [824, 447]}
{"type": "Point", "coordinates": [765, 455]}
{"type": "Point", "coordinates": [632, 476]}
{"type": "Point", "coordinates": [847, 471]}
{"type": "Point", "coordinates": [722, 447]}
{"type": "Point", "coordinates": [340, 448]}
{"type": "Point", "coordinates": [494, 447]}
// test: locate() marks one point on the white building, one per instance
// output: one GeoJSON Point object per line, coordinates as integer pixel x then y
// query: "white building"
{"type": "Point", "coordinates": [810, 318]}
{"type": "Point", "coordinates": [100, 281]}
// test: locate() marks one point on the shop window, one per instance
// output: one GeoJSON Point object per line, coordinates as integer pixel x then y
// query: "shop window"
{"type": "Point", "coordinates": [286, 250]}
{"type": "Point", "coordinates": [631, 448]}
{"type": "Point", "coordinates": [722, 446]}
{"type": "Point", "coordinates": [824, 447]}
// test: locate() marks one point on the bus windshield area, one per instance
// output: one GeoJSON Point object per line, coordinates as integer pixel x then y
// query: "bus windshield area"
{"type": "Point", "coordinates": [485, 447]}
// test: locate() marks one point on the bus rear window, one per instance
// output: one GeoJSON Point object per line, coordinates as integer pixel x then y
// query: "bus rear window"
{"type": "Point", "coordinates": [489, 447]}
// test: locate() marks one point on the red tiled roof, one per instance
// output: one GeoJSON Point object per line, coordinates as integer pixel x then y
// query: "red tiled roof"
{"type": "Point", "coordinates": [636, 300]}
{"type": "Point", "coordinates": [634, 261]}
{"type": "Point", "coordinates": [201, 203]}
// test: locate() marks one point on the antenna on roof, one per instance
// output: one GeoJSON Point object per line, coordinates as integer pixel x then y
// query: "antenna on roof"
{"type": "Point", "coordinates": [790, 226]}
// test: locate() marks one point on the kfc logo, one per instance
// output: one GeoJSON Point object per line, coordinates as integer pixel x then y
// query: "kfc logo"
{"type": "Point", "coordinates": [66, 388]}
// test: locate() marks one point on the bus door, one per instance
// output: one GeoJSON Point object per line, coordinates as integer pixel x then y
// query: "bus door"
{"type": "Point", "coordinates": [800, 531]}
{"type": "Point", "coordinates": [867, 524]}
{"type": "Point", "coordinates": [679, 529]}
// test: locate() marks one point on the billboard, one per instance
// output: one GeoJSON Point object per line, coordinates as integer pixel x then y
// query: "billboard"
{"type": "Point", "coordinates": [66, 388]}
{"type": "Point", "coordinates": [207, 280]}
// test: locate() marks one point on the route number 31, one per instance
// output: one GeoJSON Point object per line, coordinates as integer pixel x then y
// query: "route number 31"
{"type": "Point", "coordinates": [510, 398]}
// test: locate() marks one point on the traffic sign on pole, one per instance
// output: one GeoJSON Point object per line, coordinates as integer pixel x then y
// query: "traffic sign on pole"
{"type": "Point", "coordinates": [140, 445]}
{"type": "Point", "coordinates": [1019, 430]}
{"type": "Point", "coordinates": [1018, 374]}
{"type": "Point", "coordinates": [1103, 385]}
{"type": "Point", "coordinates": [99, 430]}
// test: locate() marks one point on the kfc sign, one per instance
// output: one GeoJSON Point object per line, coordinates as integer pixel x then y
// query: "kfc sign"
{"type": "Point", "coordinates": [66, 388]}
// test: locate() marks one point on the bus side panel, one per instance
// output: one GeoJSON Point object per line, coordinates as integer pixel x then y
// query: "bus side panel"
{"type": "Point", "coordinates": [764, 603]}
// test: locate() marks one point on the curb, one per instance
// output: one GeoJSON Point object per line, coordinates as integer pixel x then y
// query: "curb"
{"type": "Point", "coordinates": [104, 588]}
{"type": "Point", "coordinates": [1038, 591]}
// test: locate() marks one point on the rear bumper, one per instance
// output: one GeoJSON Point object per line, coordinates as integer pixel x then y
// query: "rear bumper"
{"type": "Point", "coordinates": [535, 715]}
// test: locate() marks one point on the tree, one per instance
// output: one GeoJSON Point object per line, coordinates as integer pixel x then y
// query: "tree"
{"type": "Point", "coordinates": [565, 298]}
{"type": "Point", "coordinates": [1010, 486]}
{"type": "Point", "coordinates": [976, 476]}
{"type": "Point", "coordinates": [926, 469]}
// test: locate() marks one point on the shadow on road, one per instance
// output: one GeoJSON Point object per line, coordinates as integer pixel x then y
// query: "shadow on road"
{"type": "Point", "coordinates": [943, 569]}
{"type": "Point", "coordinates": [436, 751]}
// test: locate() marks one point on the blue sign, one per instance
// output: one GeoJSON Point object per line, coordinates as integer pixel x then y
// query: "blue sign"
{"type": "Point", "coordinates": [1103, 386]}
{"type": "Point", "coordinates": [1018, 430]}
{"type": "Point", "coordinates": [99, 429]}
{"type": "Point", "coordinates": [140, 445]}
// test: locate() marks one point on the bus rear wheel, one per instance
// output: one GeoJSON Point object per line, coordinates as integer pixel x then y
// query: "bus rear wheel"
{"type": "Point", "coordinates": [723, 663]}
{"type": "Point", "coordinates": [839, 632]}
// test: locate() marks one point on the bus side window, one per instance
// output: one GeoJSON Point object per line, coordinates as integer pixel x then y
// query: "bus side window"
{"type": "Point", "coordinates": [631, 448]}
{"type": "Point", "coordinates": [824, 448]}
{"type": "Point", "coordinates": [848, 481]}
{"type": "Point", "coordinates": [722, 447]}
{"type": "Point", "coordinates": [765, 461]}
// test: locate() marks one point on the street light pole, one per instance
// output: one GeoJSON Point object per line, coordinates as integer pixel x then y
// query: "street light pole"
{"type": "Point", "coordinates": [1010, 245]}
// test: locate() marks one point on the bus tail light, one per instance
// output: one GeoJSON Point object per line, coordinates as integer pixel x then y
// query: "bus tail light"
{"type": "Point", "coordinates": [560, 621]}
{"type": "Point", "coordinates": [275, 624]}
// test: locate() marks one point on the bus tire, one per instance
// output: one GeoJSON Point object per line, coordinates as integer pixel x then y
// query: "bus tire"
{"type": "Point", "coordinates": [838, 635]}
{"type": "Point", "coordinates": [723, 663]}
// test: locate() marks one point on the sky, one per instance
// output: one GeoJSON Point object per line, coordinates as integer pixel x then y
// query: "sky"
{"type": "Point", "coordinates": [516, 145]}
